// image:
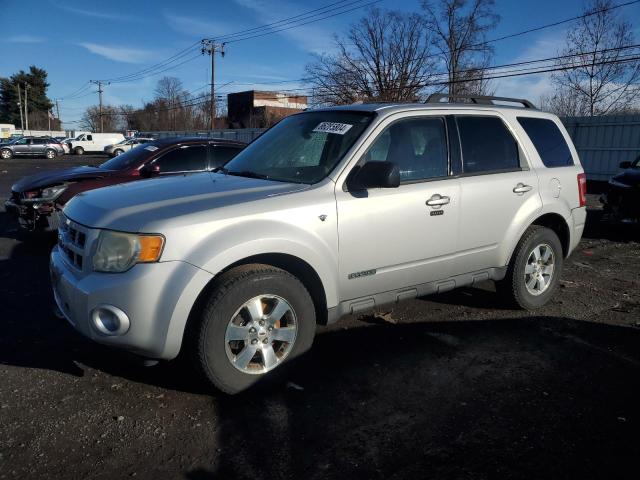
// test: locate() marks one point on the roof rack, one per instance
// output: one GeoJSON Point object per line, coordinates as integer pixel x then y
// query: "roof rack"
{"type": "Point", "coordinates": [478, 99]}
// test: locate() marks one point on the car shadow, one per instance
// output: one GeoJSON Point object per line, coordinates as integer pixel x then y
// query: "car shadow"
{"type": "Point", "coordinates": [490, 399]}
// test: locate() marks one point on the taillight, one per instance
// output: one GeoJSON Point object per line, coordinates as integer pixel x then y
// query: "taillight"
{"type": "Point", "coordinates": [582, 189]}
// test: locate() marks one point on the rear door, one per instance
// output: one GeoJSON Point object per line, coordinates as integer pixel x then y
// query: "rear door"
{"type": "Point", "coordinates": [38, 146]}
{"type": "Point", "coordinates": [498, 190]}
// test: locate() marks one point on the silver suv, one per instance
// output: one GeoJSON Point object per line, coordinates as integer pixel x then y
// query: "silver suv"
{"type": "Point", "coordinates": [331, 212]}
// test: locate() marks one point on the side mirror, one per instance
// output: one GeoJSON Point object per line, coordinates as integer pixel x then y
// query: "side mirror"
{"type": "Point", "coordinates": [148, 171]}
{"type": "Point", "coordinates": [625, 165]}
{"type": "Point", "coordinates": [375, 175]}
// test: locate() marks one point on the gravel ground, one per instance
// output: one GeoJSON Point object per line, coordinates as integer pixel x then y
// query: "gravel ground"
{"type": "Point", "coordinates": [449, 386]}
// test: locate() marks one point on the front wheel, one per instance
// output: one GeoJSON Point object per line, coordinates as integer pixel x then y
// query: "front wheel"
{"type": "Point", "coordinates": [78, 151]}
{"type": "Point", "coordinates": [257, 318]}
{"type": "Point", "coordinates": [50, 154]}
{"type": "Point", "coordinates": [6, 154]}
{"type": "Point", "coordinates": [534, 270]}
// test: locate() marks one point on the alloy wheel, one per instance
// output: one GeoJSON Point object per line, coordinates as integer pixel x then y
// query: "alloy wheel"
{"type": "Point", "coordinates": [261, 334]}
{"type": "Point", "coordinates": [538, 272]}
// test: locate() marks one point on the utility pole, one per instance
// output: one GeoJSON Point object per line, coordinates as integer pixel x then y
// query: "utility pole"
{"type": "Point", "coordinates": [58, 115]}
{"type": "Point", "coordinates": [20, 108]}
{"type": "Point", "coordinates": [26, 106]}
{"type": "Point", "coordinates": [210, 47]}
{"type": "Point", "coordinates": [100, 90]}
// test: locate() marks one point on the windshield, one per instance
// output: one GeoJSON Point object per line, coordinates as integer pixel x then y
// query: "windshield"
{"type": "Point", "coordinates": [302, 148]}
{"type": "Point", "coordinates": [130, 158]}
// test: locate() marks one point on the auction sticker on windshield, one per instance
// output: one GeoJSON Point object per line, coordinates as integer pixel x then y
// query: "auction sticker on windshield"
{"type": "Point", "coordinates": [151, 148]}
{"type": "Point", "coordinates": [333, 127]}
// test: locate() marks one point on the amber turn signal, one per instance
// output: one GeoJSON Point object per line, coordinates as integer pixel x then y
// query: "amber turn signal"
{"type": "Point", "coordinates": [150, 248]}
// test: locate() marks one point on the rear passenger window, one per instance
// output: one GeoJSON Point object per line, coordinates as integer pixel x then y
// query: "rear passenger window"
{"type": "Point", "coordinates": [487, 145]}
{"type": "Point", "coordinates": [418, 147]}
{"type": "Point", "coordinates": [548, 140]}
{"type": "Point", "coordinates": [221, 155]}
{"type": "Point", "coordinates": [183, 159]}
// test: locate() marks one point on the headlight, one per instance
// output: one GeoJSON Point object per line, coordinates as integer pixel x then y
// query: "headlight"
{"type": "Point", "coordinates": [118, 251]}
{"type": "Point", "coordinates": [48, 194]}
{"type": "Point", "coordinates": [618, 184]}
{"type": "Point", "coordinates": [52, 193]}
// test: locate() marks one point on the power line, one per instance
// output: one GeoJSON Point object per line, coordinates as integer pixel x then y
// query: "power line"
{"type": "Point", "coordinates": [325, 17]}
{"type": "Point", "coordinates": [287, 21]}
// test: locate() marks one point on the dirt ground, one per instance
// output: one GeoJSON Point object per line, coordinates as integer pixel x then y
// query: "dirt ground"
{"type": "Point", "coordinates": [453, 386]}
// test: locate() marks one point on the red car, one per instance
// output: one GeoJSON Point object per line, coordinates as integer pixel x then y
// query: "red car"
{"type": "Point", "coordinates": [36, 200]}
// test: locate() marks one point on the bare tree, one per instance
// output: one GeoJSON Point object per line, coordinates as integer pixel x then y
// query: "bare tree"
{"type": "Point", "coordinates": [602, 75]}
{"type": "Point", "coordinates": [460, 30]}
{"type": "Point", "coordinates": [385, 56]}
{"type": "Point", "coordinates": [111, 119]}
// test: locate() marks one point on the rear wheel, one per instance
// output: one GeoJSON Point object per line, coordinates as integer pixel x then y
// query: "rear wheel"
{"type": "Point", "coordinates": [534, 270]}
{"type": "Point", "coordinates": [5, 153]}
{"type": "Point", "coordinates": [78, 151]}
{"type": "Point", "coordinates": [257, 318]}
{"type": "Point", "coordinates": [50, 153]}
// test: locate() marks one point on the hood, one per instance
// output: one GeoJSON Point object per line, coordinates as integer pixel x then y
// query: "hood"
{"type": "Point", "coordinates": [54, 177]}
{"type": "Point", "coordinates": [630, 176]}
{"type": "Point", "coordinates": [130, 206]}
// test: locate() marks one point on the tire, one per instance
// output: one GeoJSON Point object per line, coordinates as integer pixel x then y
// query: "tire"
{"type": "Point", "coordinates": [118, 152]}
{"type": "Point", "coordinates": [6, 154]}
{"type": "Point", "coordinates": [50, 154]}
{"type": "Point", "coordinates": [523, 286]}
{"type": "Point", "coordinates": [225, 315]}
{"type": "Point", "coordinates": [78, 151]}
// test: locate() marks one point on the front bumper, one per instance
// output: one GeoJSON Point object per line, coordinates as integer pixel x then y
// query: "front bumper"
{"type": "Point", "coordinates": [42, 217]}
{"type": "Point", "coordinates": [622, 203]}
{"type": "Point", "coordinates": [156, 297]}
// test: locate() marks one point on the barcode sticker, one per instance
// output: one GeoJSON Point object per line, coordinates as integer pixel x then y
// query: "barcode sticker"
{"type": "Point", "coordinates": [333, 127]}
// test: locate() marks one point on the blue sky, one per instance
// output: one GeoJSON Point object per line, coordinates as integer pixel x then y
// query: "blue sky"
{"type": "Point", "coordinates": [78, 40]}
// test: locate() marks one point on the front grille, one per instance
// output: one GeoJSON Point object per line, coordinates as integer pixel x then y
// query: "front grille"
{"type": "Point", "coordinates": [72, 239]}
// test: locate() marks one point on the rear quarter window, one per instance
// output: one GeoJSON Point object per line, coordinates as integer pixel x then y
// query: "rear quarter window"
{"type": "Point", "coordinates": [548, 140]}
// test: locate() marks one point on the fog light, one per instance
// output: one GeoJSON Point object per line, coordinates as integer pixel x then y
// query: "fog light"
{"type": "Point", "coordinates": [110, 320]}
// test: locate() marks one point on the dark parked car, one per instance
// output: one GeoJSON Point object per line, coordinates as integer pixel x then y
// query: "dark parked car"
{"type": "Point", "coordinates": [32, 146]}
{"type": "Point", "coordinates": [36, 200]}
{"type": "Point", "coordinates": [622, 199]}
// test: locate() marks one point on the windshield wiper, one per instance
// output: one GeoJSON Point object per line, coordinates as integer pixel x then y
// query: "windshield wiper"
{"type": "Point", "coordinates": [248, 174]}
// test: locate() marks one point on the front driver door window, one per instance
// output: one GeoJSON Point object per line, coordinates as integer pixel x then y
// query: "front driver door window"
{"type": "Point", "coordinates": [187, 158]}
{"type": "Point", "coordinates": [392, 238]}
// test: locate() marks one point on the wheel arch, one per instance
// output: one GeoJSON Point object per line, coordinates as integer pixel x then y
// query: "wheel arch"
{"type": "Point", "coordinates": [557, 223]}
{"type": "Point", "coordinates": [292, 264]}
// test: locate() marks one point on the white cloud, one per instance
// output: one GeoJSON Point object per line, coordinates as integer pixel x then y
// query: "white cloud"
{"type": "Point", "coordinates": [198, 27]}
{"type": "Point", "coordinates": [25, 39]}
{"type": "Point", "coordinates": [92, 13]}
{"type": "Point", "coordinates": [311, 38]}
{"type": "Point", "coordinates": [119, 54]}
{"type": "Point", "coordinates": [531, 87]}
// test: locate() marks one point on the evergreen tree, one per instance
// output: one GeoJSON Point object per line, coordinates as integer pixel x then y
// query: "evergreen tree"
{"type": "Point", "coordinates": [38, 103]}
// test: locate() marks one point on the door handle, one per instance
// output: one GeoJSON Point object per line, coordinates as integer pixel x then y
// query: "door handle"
{"type": "Point", "coordinates": [521, 188]}
{"type": "Point", "coordinates": [437, 200]}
